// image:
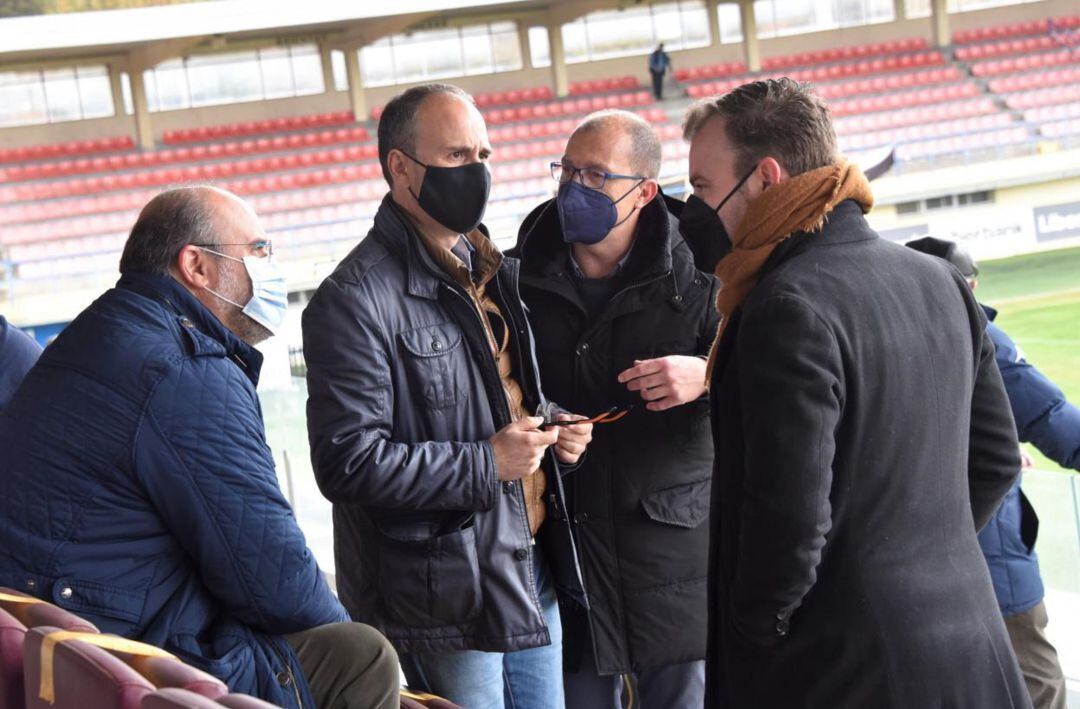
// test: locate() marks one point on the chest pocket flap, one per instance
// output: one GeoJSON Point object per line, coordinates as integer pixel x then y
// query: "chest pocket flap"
{"type": "Point", "coordinates": [434, 353]}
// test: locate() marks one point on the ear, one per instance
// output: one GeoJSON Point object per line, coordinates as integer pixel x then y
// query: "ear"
{"type": "Point", "coordinates": [770, 172]}
{"type": "Point", "coordinates": [195, 268]}
{"type": "Point", "coordinates": [398, 165]}
{"type": "Point", "coordinates": [647, 193]}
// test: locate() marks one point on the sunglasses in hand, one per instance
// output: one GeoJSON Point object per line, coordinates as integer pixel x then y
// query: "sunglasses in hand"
{"type": "Point", "coordinates": [610, 416]}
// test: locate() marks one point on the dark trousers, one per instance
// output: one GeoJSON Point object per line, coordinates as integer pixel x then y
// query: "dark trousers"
{"type": "Point", "coordinates": [1038, 658]}
{"type": "Point", "coordinates": [657, 84]}
{"type": "Point", "coordinates": [348, 666]}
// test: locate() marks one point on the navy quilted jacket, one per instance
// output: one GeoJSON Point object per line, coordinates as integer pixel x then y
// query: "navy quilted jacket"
{"type": "Point", "coordinates": [138, 491]}
{"type": "Point", "coordinates": [1045, 419]}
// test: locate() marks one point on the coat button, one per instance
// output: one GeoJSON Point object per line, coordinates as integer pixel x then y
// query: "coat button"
{"type": "Point", "coordinates": [697, 281]}
{"type": "Point", "coordinates": [436, 345]}
{"type": "Point", "coordinates": [581, 517]}
{"type": "Point", "coordinates": [582, 348]}
{"type": "Point", "coordinates": [66, 592]}
{"type": "Point", "coordinates": [31, 583]}
{"type": "Point", "coordinates": [508, 486]}
{"type": "Point", "coordinates": [782, 625]}
{"type": "Point", "coordinates": [677, 298]}
{"type": "Point", "coordinates": [283, 678]}
{"type": "Point", "coordinates": [521, 554]}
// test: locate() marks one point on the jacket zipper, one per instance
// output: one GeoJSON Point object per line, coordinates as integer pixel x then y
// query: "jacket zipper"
{"type": "Point", "coordinates": [288, 671]}
{"type": "Point", "coordinates": [510, 417]}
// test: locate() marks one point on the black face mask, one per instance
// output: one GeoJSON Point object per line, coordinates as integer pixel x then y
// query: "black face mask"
{"type": "Point", "coordinates": [455, 197]}
{"type": "Point", "coordinates": [703, 230]}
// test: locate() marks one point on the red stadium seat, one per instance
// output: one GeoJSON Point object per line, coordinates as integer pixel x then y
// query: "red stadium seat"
{"type": "Point", "coordinates": [81, 675]}
{"type": "Point", "coordinates": [12, 633]}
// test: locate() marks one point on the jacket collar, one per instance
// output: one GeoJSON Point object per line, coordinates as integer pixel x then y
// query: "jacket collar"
{"type": "Point", "coordinates": [207, 334]}
{"type": "Point", "coordinates": [991, 313]}
{"type": "Point", "coordinates": [394, 229]}
{"type": "Point", "coordinates": [845, 224]}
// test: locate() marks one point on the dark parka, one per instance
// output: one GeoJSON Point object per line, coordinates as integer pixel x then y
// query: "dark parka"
{"type": "Point", "coordinates": [430, 546]}
{"type": "Point", "coordinates": [640, 499]}
{"type": "Point", "coordinates": [137, 490]}
{"type": "Point", "coordinates": [862, 436]}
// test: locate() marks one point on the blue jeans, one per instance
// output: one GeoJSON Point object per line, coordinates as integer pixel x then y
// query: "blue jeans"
{"type": "Point", "coordinates": [523, 679]}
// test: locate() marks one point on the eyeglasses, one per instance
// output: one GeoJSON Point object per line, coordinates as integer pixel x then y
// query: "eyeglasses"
{"type": "Point", "coordinates": [610, 416]}
{"type": "Point", "coordinates": [588, 176]}
{"type": "Point", "coordinates": [262, 249]}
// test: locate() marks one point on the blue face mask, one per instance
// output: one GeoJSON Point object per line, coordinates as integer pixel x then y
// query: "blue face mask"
{"type": "Point", "coordinates": [269, 293]}
{"type": "Point", "coordinates": [587, 215]}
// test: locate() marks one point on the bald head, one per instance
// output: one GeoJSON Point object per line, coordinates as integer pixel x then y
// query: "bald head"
{"type": "Point", "coordinates": [193, 214]}
{"type": "Point", "coordinates": [640, 139]}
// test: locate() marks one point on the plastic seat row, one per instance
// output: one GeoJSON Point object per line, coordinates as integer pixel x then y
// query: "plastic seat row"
{"type": "Point", "coordinates": [499, 98]}
{"type": "Point", "coordinates": [269, 125]}
{"type": "Point", "coordinates": [835, 54]}
{"type": "Point", "coordinates": [839, 71]}
{"type": "Point", "coordinates": [596, 86]}
{"type": "Point", "coordinates": [850, 87]}
{"type": "Point", "coordinates": [886, 102]}
{"type": "Point", "coordinates": [66, 149]}
{"type": "Point", "coordinates": [1004, 48]}
{"type": "Point", "coordinates": [1053, 113]}
{"type": "Point", "coordinates": [169, 156]}
{"type": "Point", "coordinates": [1043, 97]}
{"type": "Point", "coordinates": [915, 115]}
{"type": "Point", "coordinates": [1028, 62]}
{"type": "Point", "coordinates": [1015, 29]}
{"type": "Point", "coordinates": [540, 111]}
{"type": "Point", "coordinates": [1060, 129]}
{"type": "Point", "coordinates": [924, 131]}
{"type": "Point", "coordinates": [1041, 80]}
{"type": "Point", "coordinates": [956, 144]}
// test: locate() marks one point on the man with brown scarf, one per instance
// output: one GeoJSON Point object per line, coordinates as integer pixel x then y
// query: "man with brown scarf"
{"type": "Point", "coordinates": [861, 427]}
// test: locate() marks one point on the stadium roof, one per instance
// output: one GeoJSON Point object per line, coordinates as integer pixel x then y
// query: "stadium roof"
{"type": "Point", "coordinates": [172, 29]}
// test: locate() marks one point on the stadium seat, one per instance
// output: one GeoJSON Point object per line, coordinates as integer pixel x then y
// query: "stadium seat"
{"type": "Point", "coordinates": [33, 612]}
{"type": "Point", "coordinates": [12, 633]}
{"type": "Point", "coordinates": [78, 675]}
{"type": "Point", "coordinates": [166, 672]}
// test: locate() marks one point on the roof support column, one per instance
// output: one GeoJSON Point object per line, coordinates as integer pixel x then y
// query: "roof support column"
{"type": "Point", "coordinates": [144, 127]}
{"type": "Point", "coordinates": [939, 15]}
{"type": "Point", "coordinates": [751, 48]}
{"type": "Point", "coordinates": [558, 60]}
{"type": "Point", "coordinates": [357, 99]}
{"type": "Point", "coordinates": [713, 8]}
{"type": "Point", "coordinates": [116, 87]}
{"type": "Point", "coordinates": [327, 68]}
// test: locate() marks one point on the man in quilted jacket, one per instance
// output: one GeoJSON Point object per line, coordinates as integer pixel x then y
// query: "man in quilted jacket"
{"type": "Point", "coordinates": [137, 489]}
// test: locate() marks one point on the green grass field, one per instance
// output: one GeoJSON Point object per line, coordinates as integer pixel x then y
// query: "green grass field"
{"type": "Point", "coordinates": [1038, 299]}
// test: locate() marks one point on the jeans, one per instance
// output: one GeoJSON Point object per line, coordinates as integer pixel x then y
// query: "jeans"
{"type": "Point", "coordinates": [523, 679]}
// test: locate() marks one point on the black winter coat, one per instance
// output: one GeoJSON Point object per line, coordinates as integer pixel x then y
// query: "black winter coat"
{"type": "Point", "coordinates": [862, 436]}
{"type": "Point", "coordinates": [640, 499]}
{"type": "Point", "coordinates": [430, 547]}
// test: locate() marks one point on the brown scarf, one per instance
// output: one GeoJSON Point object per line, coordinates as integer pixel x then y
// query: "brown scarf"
{"type": "Point", "coordinates": [798, 204]}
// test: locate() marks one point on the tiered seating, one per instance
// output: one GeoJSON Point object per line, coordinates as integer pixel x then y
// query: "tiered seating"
{"type": "Point", "coordinates": [1013, 46]}
{"type": "Point", "coordinates": [1053, 113]}
{"type": "Point", "coordinates": [853, 87]}
{"type": "Point", "coordinates": [1016, 29]}
{"type": "Point", "coordinates": [914, 116]}
{"type": "Point", "coordinates": [12, 633]}
{"type": "Point", "coordinates": [1026, 62]}
{"type": "Point", "coordinates": [892, 101]}
{"type": "Point", "coordinates": [499, 98]}
{"type": "Point", "coordinates": [989, 140]}
{"type": "Point", "coordinates": [1061, 129]}
{"type": "Point", "coordinates": [597, 86]}
{"type": "Point", "coordinates": [244, 128]}
{"type": "Point", "coordinates": [710, 71]}
{"type": "Point", "coordinates": [838, 54]}
{"type": "Point", "coordinates": [195, 153]}
{"type": "Point", "coordinates": [68, 149]}
{"type": "Point", "coordinates": [566, 107]}
{"type": "Point", "coordinates": [1043, 97]}
{"type": "Point", "coordinates": [923, 131]}
{"type": "Point", "coordinates": [1023, 82]}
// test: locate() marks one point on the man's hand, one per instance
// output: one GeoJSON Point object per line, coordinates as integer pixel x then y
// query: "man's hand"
{"type": "Point", "coordinates": [1026, 461]}
{"type": "Point", "coordinates": [665, 382]}
{"type": "Point", "coordinates": [519, 447]}
{"type": "Point", "coordinates": [572, 439]}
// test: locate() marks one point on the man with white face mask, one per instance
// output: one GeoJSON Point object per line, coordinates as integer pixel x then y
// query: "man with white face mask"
{"type": "Point", "coordinates": [138, 489]}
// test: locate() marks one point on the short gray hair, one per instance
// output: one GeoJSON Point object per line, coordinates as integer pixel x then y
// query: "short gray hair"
{"type": "Point", "coordinates": [645, 152]}
{"type": "Point", "coordinates": [778, 118]}
{"type": "Point", "coordinates": [169, 222]}
{"type": "Point", "coordinates": [397, 124]}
